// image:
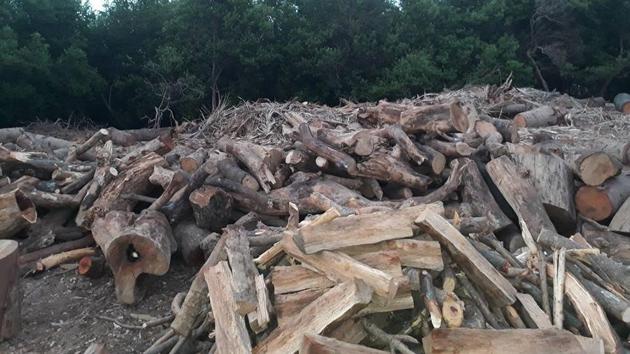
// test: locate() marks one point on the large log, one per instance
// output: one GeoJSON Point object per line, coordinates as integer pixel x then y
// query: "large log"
{"type": "Point", "coordinates": [600, 203]}
{"type": "Point", "coordinates": [230, 170]}
{"type": "Point", "coordinates": [554, 182]}
{"type": "Point", "coordinates": [10, 294]}
{"type": "Point", "coordinates": [159, 146]}
{"type": "Point", "coordinates": [191, 162]}
{"type": "Point", "coordinates": [537, 117]}
{"type": "Point", "coordinates": [439, 118]}
{"type": "Point", "coordinates": [478, 269]}
{"type": "Point", "coordinates": [189, 238]}
{"type": "Point", "coordinates": [334, 306]}
{"type": "Point", "coordinates": [319, 148]}
{"type": "Point", "coordinates": [230, 331]}
{"type": "Point", "coordinates": [515, 341]}
{"type": "Point", "coordinates": [316, 344]}
{"type": "Point", "coordinates": [246, 153]}
{"type": "Point", "coordinates": [16, 212]}
{"type": "Point", "coordinates": [212, 207]}
{"type": "Point", "coordinates": [134, 245]}
{"type": "Point", "coordinates": [384, 167]}
{"type": "Point", "coordinates": [361, 229]}
{"type": "Point", "coordinates": [133, 136]}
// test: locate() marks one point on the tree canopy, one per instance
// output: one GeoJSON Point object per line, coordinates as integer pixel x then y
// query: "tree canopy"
{"type": "Point", "coordinates": [142, 60]}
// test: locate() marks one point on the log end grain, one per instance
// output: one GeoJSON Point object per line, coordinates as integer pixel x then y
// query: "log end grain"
{"type": "Point", "coordinates": [593, 203]}
{"type": "Point", "coordinates": [597, 167]}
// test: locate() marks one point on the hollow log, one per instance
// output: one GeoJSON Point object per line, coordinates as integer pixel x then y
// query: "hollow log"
{"type": "Point", "coordinates": [554, 182]}
{"type": "Point", "coordinates": [16, 212]}
{"type": "Point", "coordinates": [212, 207]}
{"type": "Point", "coordinates": [537, 117]}
{"type": "Point", "coordinates": [516, 341]}
{"type": "Point", "coordinates": [600, 203]}
{"type": "Point", "coordinates": [230, 170]}
{"type": "Point", "coordinates": [10, 294]}
{"type": "Point", "coordinates": [134, 245]}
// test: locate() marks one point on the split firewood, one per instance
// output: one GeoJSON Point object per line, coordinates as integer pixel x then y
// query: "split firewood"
{"type": "Point", "coordinates": [521, 341]}
{"type": "Point", "coordinates": [10, 295]}
{"type": "Point", "coordinates": [474, 264]}
{"type": "Point", "coordinates": [412, 253]}
{"type": "Point", "coordinates": [361, 229]}
{"type": "Point", "coordinates": [16, 212]}
{"type": "Point", "coordinates": [288, 279]}
{"type": "Point", "coordinates": [621, 221]}
{"type": "Point", "coordinates": [211, 206]}
{"type": "Point", "coordinates": [243, 271]}
{"type": "Point", "coordinates": [259, 319]}
{"type": "Point", "coordinates": [288, 306]}
{"type": "Point", "coordinates": [531, 313]}
{"type": "Point", "coordinates": [231, 336]}
{"type": "Point", "coordinates": [316, 344]}
{"type": "Point", "coordinates": [334, 305]}
{"type": "Point", "coordinates": [134, 245]}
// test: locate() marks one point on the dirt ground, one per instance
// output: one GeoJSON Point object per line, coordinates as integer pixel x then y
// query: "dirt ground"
{"type": "Point", "coordinates": [59, 312]}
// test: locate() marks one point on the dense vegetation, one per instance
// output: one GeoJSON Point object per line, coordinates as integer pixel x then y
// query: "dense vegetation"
{"type": "Point", "coordinates": [161, 58]}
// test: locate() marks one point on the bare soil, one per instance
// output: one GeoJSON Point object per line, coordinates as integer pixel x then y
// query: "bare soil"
{"type": "Point", "coordinates": [59, 310]}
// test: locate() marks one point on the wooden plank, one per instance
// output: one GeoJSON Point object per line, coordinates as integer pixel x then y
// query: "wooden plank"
{"type": "Point", "coordinates": [362, 229]}
{"type": "Point", "coordinates": [499, 290]}
{"type": "Point", "coordinates": [340, 267]}
{"type": "Point", "coordinates": [316, 344]}
{"type": "Point", "coordinates": [288, 279]}
{"type": "Point", "coordinates": [413, 253]}
{"type": "Point", "coordinates": [243, 271]}
{"type": "Point", "coordinates": [531, 312]}
{"type": "Point", "coordinates": [337, 304]}
{"type": "Point", "coordinates": [259, 319]}
{"type": "Point", "coordinates": [513, 341]}
{"type": "Point", "coordinates": [590, 312]}
{"type": "Point", "coordinates": [230, 331]}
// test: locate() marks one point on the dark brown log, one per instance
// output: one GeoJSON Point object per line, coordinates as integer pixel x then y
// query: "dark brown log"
{"type": "Point", "coordinates": [10, 294]}
{"type": "Point", "coordinates": [476, 193]}
{"type": "Point", "coordinates": [600, 203]}
{"type": "Point", "coordinates": [230, 170]}
{"type": "Point", "coordinates": [191, 162]}
{"type": "Point", "coordinates": [52, 200]}
{"type": "Point", "coordinates": [537, 117]}
{"type": "Point", "coordinates": [394, 191]}
{"type": "Point", "coordinates": [16, 212]}
{"type": "Point", "coordinates": [134, 245]}
{"type": "Point", "coordinates": [450, 149]}
{"type": "Point", "coordinates": [189, 239]}
{"type": "Point", "coordinates": [91, 266]}
{"type": "Point", "coordinates": [212, 207]}
{"type": "Point", "coordinates": [554, 182]}
{"type": "Point", "coordinates": [517, 341]}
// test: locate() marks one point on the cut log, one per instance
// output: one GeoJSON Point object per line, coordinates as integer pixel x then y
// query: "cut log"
{"type": "Point", "coordinates": [52, 200]}
{"type": "Point", "coordinates": [532, 314]}
{"type": "Point", "coordinates": [316, 344]}
{"type": "Point", "coordinates": [361, 229]}
{"type": "Point", "coordinates": [230, 170]}
{"type": "Point", "coordinates": [537, 117]}
{"type": "Point", "coordinates": [161, 176]}
{"type": "Point", "coordinates": [64, 257]}
{"type": "Point", "coordinates": [384, 167]}
{"type": "Point", "coordinates": [439, 118]}
{"type": "Point", "coordinates": [435, 159]}
{"type": "Point", "coordinates": [590, 313]}
{"type": "Point", "coordinates": [179, 205]}
{"type": "Point", "coordinates": [134, 245]}
{"type": "Point", "coordinates": [243, 271]}
{"type": "Point", "coordinates": [500, 291]}
{"type": "Point", "coordinates": [79, 150]}
{"type": "Point", "coordinates": [622, 102]}
{"type": "Point", "coordinates": [520, 194]}
{"type": "Point", "coordinates": [58, 248]}
{"type": "Point", "coordinates": [516, 341]}
{"type": "Point", "coordinates": [91, 266]}
{"type": "Point", "coordinates": [212, 207]}
{"type": "Point", "coordinates": [246, 153]}
{"type": "Point", "coordinates": [296, 278]}
{"type": "Point", "coordinates": [554, 182]}
{"type": "Point", "coordinates": [334, 306]}
{"type": "Point", "coordinates": [319, 148]}
{"type": "Point", "coordinates": [189, 238]}
{"type": "Point", "coordinates": [614, 245]}
{"type": "Point", "coordinates": [397, 192]}
{"type": "Point", "coordinates": [230, 331]}
{"type": "Point", "coordinates": [191, 162]}
{"type": "Point", "coordinates": [102, 176]}
{"type": "Point", "coordinates": [16, 212]}
{"type": "Point", "coordinates": [614, 305]}
{"type": "Point", "coordinates": [159, 146]}
{"type": "Point", "coordinates": [450, 149]}
{"type": "Point", "coordinates": [594, 167]}
{"type": "Point", "coordinates": [477, 194]}
{"type": "Point", "coordinates": [10, 295]}
{"type": "Point", "coordinates": [176, 153]}
{"type": "Point", "coordinates": [395, 133]}
{"type": "Point", "coordinates": [504, 127]}
{"type": "Point", "coordinates": [341, 267]}
{"type": "Point", "coordinates": [430, 301]}
{"type": "Point", "coordinates": [600, 203]}
{"type": "Point", "coordinates": [350, 331]}
{"type": "Point", "coordinates": [412, 253]}
{"type": "Point", "coordinates": [621, 221]}
{"type": "Point", "coordinates": [132, 136]}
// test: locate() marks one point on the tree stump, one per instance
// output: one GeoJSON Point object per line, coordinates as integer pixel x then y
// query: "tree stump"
{"type": "Point", "coordinates": [10, 296]}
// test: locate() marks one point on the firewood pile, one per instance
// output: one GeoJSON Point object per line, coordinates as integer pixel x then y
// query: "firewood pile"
{"type": "Point", "coordinates": [486, 220]}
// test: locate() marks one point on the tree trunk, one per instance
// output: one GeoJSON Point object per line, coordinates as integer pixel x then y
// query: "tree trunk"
{"type": "Point", "coordinates": [230, 170]}
{"type": "Point", "coordinates": [600, 203]}
{"type": "Point", "coordinates": [537, 117]}
{"type": "Point", "coordinates": [191, 162]}
{"type": "Point", "coordinates": [10, 294]}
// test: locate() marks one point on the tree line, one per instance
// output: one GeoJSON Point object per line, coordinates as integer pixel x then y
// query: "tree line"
{"type": "Point", "coordinates": [140, 61]}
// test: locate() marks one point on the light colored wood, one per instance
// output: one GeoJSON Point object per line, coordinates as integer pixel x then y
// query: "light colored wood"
{"type": "Point", "coordinates": [16, 212]}
{"type": "Point", "coordinates": [341, 267]}
{"type": "Point", "coordinates": [270, 256]}
{"type": "Point", "coordinates": [412, 253]}
{"type": "Point", "coordinates": [590, 312]}
{"type": "Point", "coordinates": [532, 312]}
{"type": "Point", "coordinates": [559, 264]}
{"type": "Point", "coordinates": [316, 344]}
{"type": "Point", "coordinates": [288, 279]}
{"type": "Point", "coordinates": [350, 331]}
{"type": "Point", "coordinates": [538, 117]}
{"type": "Point", "coordinates": [478, 269]}
{"type": "Point", "coordinates": [336, 305]}
{"type": "Point", "coordinates": [64, 257]}
{"type": "Point", "coordinates": [621, 221]}
{"type": "Point", "coordinates": [243, 271]}
{"type": "Point", "coordinates": [361, 229]}
{"type": "Point", "coordinates": [231, 335]}
{"type": "Point", "coordinates": [513, 341]}
{"type": "Point", "coordinates": [259, 319]}
{"type": "Point", "coordinates": [289, 305]}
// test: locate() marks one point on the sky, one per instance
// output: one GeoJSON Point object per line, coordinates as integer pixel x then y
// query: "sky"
{"type": "Point", "coordinates": [97, 5]}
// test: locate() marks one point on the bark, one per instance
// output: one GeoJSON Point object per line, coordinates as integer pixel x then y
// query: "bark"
{"type": "Point", "coordinates": [537, 117]}
{"type": "Point", "coordinates": [191, 162]}
{"type": "Point", "coordinates": [16, 212]}
{"type": "Point", "coordinates": [212, 207]}
{"type": "Point", "coordinates": [600, 203]}
{"type": "Point", "coordinates": [189, 238]}
{"type": "Point", "coordinates": [247, 154]}
{"type": "Point", "coordinates": [230, 170]}
{"type": "Point", "coordinates": [384, 167]}
{"type": "Point", "coordinates": [439, 118]}
{"type": "Point", "coordinates": [10, 294]}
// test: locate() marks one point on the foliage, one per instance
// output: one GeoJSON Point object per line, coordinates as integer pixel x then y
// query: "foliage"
{"type": "Point", "coordinates": [145, 62]}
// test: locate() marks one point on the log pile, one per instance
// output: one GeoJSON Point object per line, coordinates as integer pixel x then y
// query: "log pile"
{"type": "Point", "coordinates": [470, 222]}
